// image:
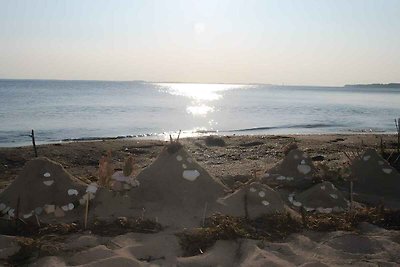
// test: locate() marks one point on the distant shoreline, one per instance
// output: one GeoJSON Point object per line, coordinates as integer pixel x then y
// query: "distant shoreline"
{"type": "Point", "coordinates": [374, 85]}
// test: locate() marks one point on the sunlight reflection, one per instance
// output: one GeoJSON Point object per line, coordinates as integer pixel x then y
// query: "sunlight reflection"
{"type": "Point", "coordinates": [200, 110]}
{"type": "Point", "coordinates": [198, 91]}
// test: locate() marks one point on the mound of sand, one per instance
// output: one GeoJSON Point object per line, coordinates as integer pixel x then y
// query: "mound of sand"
{"type": "Point", "coordinates": [296, 169]}
{"type": "Point", "coordinates": [323, 198]}
{"type": "Point", "coordinates": [44, 189]}
{"type": "Point", "coordinates": [375, 176]}
{"type": "Point", "coordinates": [254, 199]}
{"type": "Point", "coordinates": [175, 189]}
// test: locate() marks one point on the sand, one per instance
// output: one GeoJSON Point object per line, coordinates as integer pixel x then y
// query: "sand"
{"type": "Point", "coordinates": [375, 179]}
{"type": "Point", "coordinates": [173, 179]}
{"type": "Point", "coordinates": [252, 200]}
{"type": "Point", "coordinates": [321, 198]}
{"type": "Point", "coordinates": [43, 189]}
{"type": "Point", "coordinates": [371, 246]}
{"type": "Point", "coordinates": [295, 170]}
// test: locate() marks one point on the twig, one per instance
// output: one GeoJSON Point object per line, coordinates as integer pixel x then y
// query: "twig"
{"type": "Point", "coordinates": [177, 139]}
{"type": "Point", "coordinates": [87, 209]}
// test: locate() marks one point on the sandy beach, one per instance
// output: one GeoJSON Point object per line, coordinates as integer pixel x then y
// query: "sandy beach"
{"type": "Point", "coordinates": [227, 165]}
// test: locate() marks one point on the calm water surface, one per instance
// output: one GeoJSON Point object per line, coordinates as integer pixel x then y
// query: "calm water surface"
{"type": "Point", "coordinates": [60, 110]}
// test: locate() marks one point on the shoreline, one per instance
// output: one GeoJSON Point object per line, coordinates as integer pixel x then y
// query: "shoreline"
{"type": "Point", "coordinates": [235, 161]}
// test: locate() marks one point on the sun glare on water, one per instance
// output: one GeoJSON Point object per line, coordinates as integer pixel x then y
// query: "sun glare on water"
{"type": "Point", "coordinates": [200, 96]}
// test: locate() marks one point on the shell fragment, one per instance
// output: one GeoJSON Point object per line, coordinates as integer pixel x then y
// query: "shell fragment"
{"type": "Point", "coordinates": [48, 182]}
{"type": "Point", "coordinates": [190, 175]}
{"type": "Point", "coordinates": [72, 192]}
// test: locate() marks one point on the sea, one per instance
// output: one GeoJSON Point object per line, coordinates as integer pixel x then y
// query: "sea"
{"type": "Point", "coordinates": [63, 111]}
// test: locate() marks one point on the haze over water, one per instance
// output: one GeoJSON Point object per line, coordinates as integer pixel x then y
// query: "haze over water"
{"type": "Point", "coordinates": [59, 110]}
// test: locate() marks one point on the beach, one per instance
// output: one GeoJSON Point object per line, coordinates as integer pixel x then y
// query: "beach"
{"type": "Point", "coordinates": [232, 161]}
{"type": "Point", "coordinates": [241, 156]}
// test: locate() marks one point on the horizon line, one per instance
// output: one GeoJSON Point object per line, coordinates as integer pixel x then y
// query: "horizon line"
{"type": "Point", "coordinates": [144, 81]}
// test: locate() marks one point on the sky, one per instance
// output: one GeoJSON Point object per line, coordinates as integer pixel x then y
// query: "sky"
{"type": "Point", "coordinates": [309, 42]}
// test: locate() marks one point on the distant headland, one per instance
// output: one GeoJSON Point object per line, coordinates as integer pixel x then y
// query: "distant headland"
{"type": "Point", "coordinates": [375, 85]}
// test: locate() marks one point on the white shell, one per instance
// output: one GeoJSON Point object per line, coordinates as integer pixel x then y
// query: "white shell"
{"type": "Point", "coordinates": [290, 198]}
{"type": "Point", "coordinates": [323, 187]}
{"type": "Point", "coordinates": [48, 182]}
{"type": "Point", "coordinates": [366, 158]}
{"type": "Point", "coordinates": [179, 158]}
{"type": "Point", "coordinates": [65, 208]}
{"type": "Point", "coordinates": [333, 186]}
{"type": "Point", "coordinates": [387, 170]}
{"type": "Point", "coordinates": [303, 162]}
{"type": "Point", "coordinates": [28, 215]}
{"type": "Point", "coordinates": [296, 203]}
{"type": "Point", "coordinates": [11, 213]}
{"type": "Point", "coordinates": [334, 196]}
{"type": "Point", "coordinates": [281, 178]}
{"type": "Point", "coordinates": [92, 188]}
{"type": "Point", "coordinates": [309, 209]}
{"type": "Point", "coordinates": [72, 192]}
{"type": "Point", "coordinates": [266, 174]}
{"type": "Point", "coordinates": [184, 166]}
{"type": "Point", "coordinates": [304, 169]}
{"type": "Point", "coordinates": [265, 203]}
{"type": "Point", "coordinates": [47, 174]}
{"type": "Point", "coordinates": [252, 189]}
{"type": "Point", "coordinates": [2, 206]}
{"type": "Point", "coordinates": [261, 194]}
{"type": "Point", "coordinates": [190, 175]}
{"type": "Point", "coordinates": [289, 178]}
{"type": "Point", "coordinates": [71, 206]}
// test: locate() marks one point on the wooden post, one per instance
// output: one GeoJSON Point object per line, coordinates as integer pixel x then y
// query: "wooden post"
{"type": "Point", "coordinates": [397, 123]}
{"type": "Point", "coordinates": [33, 143]}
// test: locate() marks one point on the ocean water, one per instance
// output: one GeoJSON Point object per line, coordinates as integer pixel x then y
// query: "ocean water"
{"type": "Point", "coordinates": [69, 110]}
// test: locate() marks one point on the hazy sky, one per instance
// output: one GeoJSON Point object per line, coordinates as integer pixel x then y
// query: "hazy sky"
{"type": "Point", "coordinates": [239, 41]}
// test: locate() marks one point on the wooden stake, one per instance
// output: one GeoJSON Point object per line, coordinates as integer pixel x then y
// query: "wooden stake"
{"type": "Point", "coordinates": [87, 209]}
{"type": "Point", "coordinates": [33, 143]}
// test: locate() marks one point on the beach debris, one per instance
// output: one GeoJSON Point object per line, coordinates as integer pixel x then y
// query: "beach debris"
{"type": "Point", "coordinates": [47, 174]}
{"type": "Point", "coordinates": [190, 175]}
{"type": "Point", "coordinates": [179, 158]}
{"type": "Point", "coordinates": [322, 198]}
{"type": "Point", "coordinates": [252, 200]}
{"type": "Point", "coordinates": [49, 208]}
{"type": "Point", "coordinates": [129, 166]}
{"type": "Point", "coordinates": [106, 169]}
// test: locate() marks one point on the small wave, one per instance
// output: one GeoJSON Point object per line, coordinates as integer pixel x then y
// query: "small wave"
{"type": "Point", "coordinates": [295, 126]}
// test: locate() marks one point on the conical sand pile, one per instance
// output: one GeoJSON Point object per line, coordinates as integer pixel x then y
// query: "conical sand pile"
{"type": "Point", "coordinates": [375, 176]}
{"type": "Point", "coordinates": [43, 188]}
{"type": "Point", "coordinates": [323, 198]}
{"type": "Point", "coordinates": [252, 200]}
{"type": "Point", "coordinates": [175, 189]}
{"type": "Point", "coordinates": [296, 169]}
